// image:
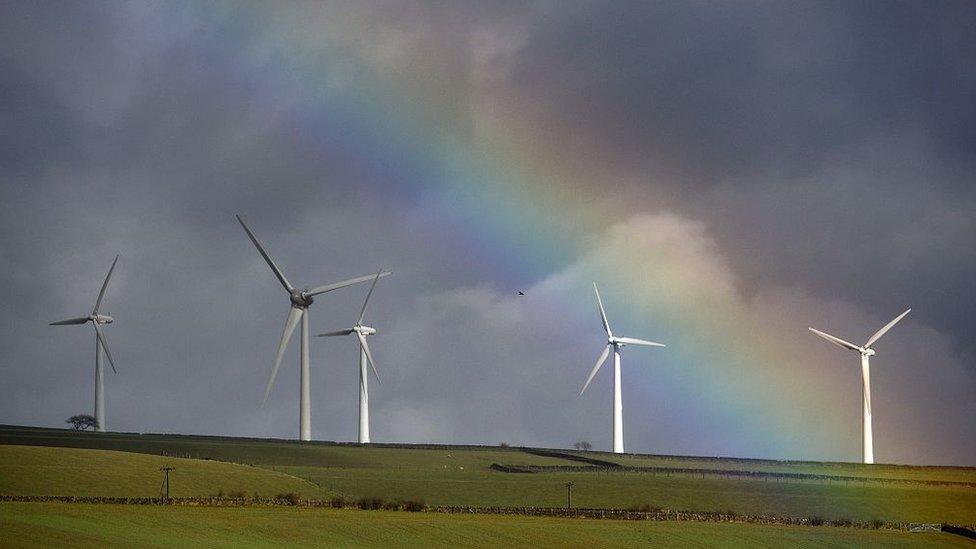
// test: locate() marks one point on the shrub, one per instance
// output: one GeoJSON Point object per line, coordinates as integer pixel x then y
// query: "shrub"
{"type": "Point", "coordinates": [371, 503]}
{"type": "Point", "coordinates": [82, 422]}
{"type": "Point", "coordinates": [876, 524]}
{"type": "Point", "coordinates": [645, 508]}
{"type": "Point", "coordinates": [238, 494]}
{"type": "Point", "coordinates": [392, 506]}
{"type": "Point", "coordinates": [843, 522]}
{"type": "Point", "coordinates": [503, 445]}
{"type": "Point", "coordinates": [816, 521]}
{"type": "Point", "coordinates": [337, 502]}
{"type": "Point", "coordinates": [414, 505]}
{"type": "Point", "coordinates": [291, 498]}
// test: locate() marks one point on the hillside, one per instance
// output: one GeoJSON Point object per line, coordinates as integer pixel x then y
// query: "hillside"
{"type": "Point", "coordinates": [32, 470]}
{"type": "Point", "coordinates": [473, 476]}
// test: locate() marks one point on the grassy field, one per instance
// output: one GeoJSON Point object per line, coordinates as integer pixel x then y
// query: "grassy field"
{"type": "Point", "coordinates": [78, 525]}
{"type": "Point", "coordinates": [621, 490]}
{"type": "Point", "coordinates": [880, 471]}
{"type": "Point", "coordinates": [31, 470]}
{"type": "Point", "coordinates": [276, 452]}
{"type": "Point", "coordinates": [326, 454]}
{"type": "Point", "coordinates": [446, 475]}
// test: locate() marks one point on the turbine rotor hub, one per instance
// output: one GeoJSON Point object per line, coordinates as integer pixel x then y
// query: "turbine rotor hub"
{"type": "Point", "coordinates": [300, 298]}
{"type": "Point", "coordinates": [868, 352]}
{"type": "Point", "coordinates": [365, 330]}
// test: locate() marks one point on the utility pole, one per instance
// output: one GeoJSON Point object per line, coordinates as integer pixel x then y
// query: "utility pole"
{"type": "Point", "coordinates": [569, 495]}
{"type": "Point", "coordinates": [166, 471]}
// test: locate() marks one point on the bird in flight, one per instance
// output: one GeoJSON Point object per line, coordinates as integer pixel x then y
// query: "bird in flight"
{"type": "Point", "coordinates": [521, 292]}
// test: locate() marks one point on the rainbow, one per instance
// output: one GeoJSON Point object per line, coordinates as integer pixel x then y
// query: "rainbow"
{"type": "Point", "coordinates": [505, 196]}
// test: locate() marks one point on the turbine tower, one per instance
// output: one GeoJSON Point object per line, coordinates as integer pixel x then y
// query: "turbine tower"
{"type": "Point", "coordinates": [362, 331]}
{"type": "Point", "coordinates": [101, 344]}
{"type": "Point", "coordinates": [300, 302]}
{"type": "Point", "coordinates": [867, 445]}
{"type": "Point", "coordinates": [616, 343]}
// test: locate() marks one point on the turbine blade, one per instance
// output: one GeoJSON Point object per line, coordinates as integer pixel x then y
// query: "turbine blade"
{"type": "Point", "coordinates": [877, 335]}
{"type": "Point", "coordinates": [599, 362]}
{"type": "Point", "coordinates": [369, 355]}
{"type": "Point", "coordinates": [336, 333]}
{"type": "Point", "coordinates": [344, 283]}
{"type": "Point", "coordinates": [79, 320]}
{"type": "Point", "coordinates": [104, 342]}
{"type": "Point", "coordinates": [362, 312]}
{"type": "Point", "coordinates": [101, 293]}
{"type": "Point", "coordinates": [267, 258]}
{"type": "Point", "coordinates": [603, 314]}
{"type": "Point", "coordinates": [293, 317]}
{"type": "Point", "coordinates": [635, 341]}
{"type": "Point", "coordinates": [836, 340]}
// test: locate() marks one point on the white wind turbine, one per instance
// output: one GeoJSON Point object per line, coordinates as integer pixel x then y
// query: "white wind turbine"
{"type": "Point", "coordinates": [300, 302]}
{"type": "Point", "coordinates": [100, 344]}
{"type": "Point", "coordinates": [362, 331]}
{"type": "Point", "coordinates": [866, 352]}
{"type": "Point", "coordinates": [616, 343]}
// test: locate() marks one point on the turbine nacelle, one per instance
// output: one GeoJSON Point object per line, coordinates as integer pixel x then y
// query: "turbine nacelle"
{"type": "Point", "coordinates": [365, 330]}
{"type": "Point", "coordinates": [101, 319]}
{"type": "Point", "coordinates": [300, 298]}
{"type": "Point", "coordinates": [867, 352]}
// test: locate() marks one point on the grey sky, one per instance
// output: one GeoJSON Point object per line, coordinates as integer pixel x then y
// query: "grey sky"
{"type": "Point", "coordinates": [826, 150]}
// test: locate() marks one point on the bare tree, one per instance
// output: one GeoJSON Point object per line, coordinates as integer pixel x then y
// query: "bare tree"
{"type": "Point", "coordinates": [582, 445]}
{"type": "Point", "coordinates": [81, 422]}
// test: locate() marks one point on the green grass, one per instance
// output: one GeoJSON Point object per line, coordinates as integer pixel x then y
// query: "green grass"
{"type": "Point", "coordinates": [885, 471]}
{"type": "Point", "coordinates": [622, 490]}
{"type": "Point", "coordinates": [275, 452]}
{"type": "Point", "coordinates": [325, 454]}
{"type": "Point", "coordinates": [77, 525]}
{"type": "Point", "coordinates": [30, 470]}
{"type": "Point", "coordinates": [446, 475]}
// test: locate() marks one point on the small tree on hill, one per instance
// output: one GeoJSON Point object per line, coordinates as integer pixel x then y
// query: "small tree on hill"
{"type": "Point", "coordinates": [81, 422]}
{"type": "Point", "coordinates": [582, 445]}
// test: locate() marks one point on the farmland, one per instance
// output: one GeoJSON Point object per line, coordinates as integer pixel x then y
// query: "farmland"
{"type": "Point", "coordinates": [453, 475]}
{"type": "Point", "coordinates": [36, 462]}
{"type": "Point", "coordinates": [39, 471]}
{"type": "Point", "coordinates": [79, 525]}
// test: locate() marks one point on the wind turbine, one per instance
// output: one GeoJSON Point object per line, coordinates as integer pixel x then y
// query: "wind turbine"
{"type": "Point", "coordinates": [362, 331]}
{"type": "Point", "coordinates": [100, 344]}
{"type": "Point", "coordinates": [616, 343]}
{"type": "Point", "coordinates": [300, 302]}
{"type": "Point", "coordinates": [866, 352]}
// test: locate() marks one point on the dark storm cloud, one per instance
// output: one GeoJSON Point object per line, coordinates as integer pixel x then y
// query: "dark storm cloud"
{"type": "Point", "coordinates": [829, 147]}
{"type": "Point", "coordinates": [745, 89]}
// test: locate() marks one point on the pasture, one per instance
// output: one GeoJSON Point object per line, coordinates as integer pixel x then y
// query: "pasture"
{"type": "Point", "coordinates": [39, 471]}
{"type": "Point", "coordinates": [80, 525]}
{"type": "Point", "coordinates": [36, 461]}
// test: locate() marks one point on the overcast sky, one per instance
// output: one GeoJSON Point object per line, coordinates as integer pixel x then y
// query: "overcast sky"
{"type": "Point", "coordinates": [730, 172]}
